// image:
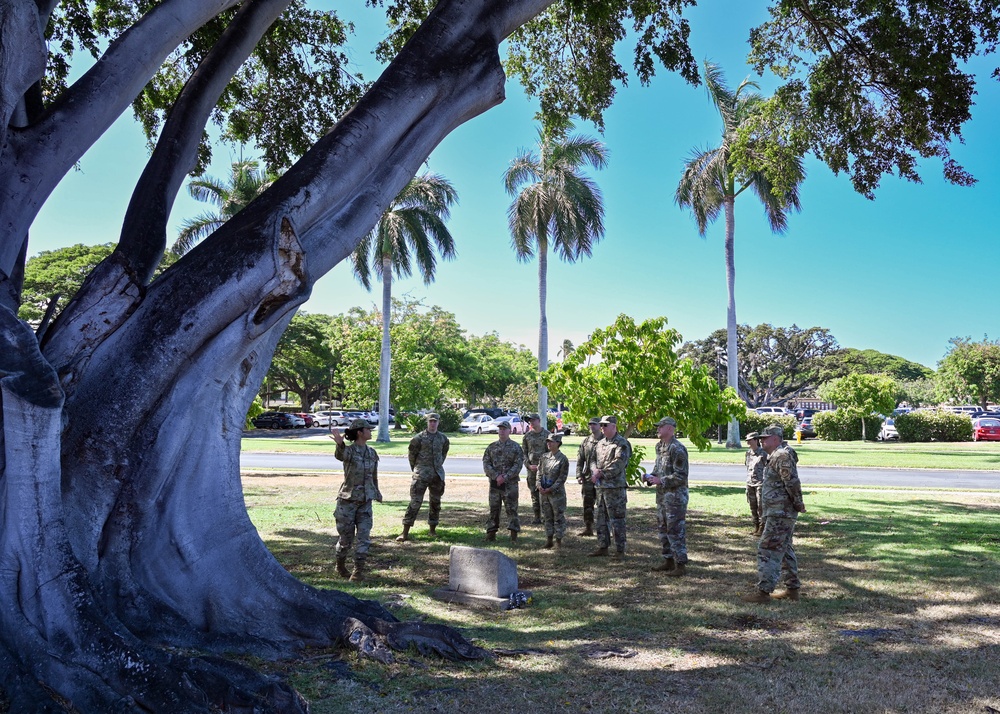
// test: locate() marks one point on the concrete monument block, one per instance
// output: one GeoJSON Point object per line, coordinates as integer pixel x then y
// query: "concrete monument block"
{"type": "Point", "coordinates": [479, 577]}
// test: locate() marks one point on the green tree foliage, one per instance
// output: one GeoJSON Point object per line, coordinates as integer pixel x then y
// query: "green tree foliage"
{"type": "Point", "coordinates": [776, 363]}
{"type": "Point", "coordinates": [844, 425]}
{"type": "Point", "coordinates": [521, 397]}
{"type": "Point", "coordinates": [849, 359]}
{"type": "Point", "coordinates": [246, 182]}
{"type": "Point", "coordinates": [861, 396]}
{"type": "Point", "coordinates": [970, 371]}
{"type": "Point", "coordinates": [933, 425]}
{"type": "Point", "coordinates": [303, 359]}
{"type": "Point", "coordinates": [633, 371]}
{"type": "Point", "coordinates": [499, 370]}
{"type": "Point", "coordinates": [555, 206]}
{"type": "Point", "coordinates": [918, 392]}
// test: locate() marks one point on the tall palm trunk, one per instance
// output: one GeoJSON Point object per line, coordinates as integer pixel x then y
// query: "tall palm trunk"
{"type": "Point", "coordinates": [386, 360]}
{"type": "Point", "coordinates": [543, 327]}
{"type": "Point", "coordinates": [732, 350]}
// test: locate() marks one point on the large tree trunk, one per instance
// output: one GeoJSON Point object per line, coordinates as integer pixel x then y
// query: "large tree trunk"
{"type": "Point", "coordinates": [122, 522]}
{"type": "Point", "coordinates": [732, 348]}
{"type": "Point", "coordinates": [385, 361]}
{"type": "Point", "coordinates": [543, 327]}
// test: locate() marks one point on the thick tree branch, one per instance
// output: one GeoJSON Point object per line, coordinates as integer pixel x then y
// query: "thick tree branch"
{"type": "Point", "coordinates": [45, 151]}
{"type": "Point", "coordinates": [22, 60]}
{"type": "Point", "coordinates": [143, 237]}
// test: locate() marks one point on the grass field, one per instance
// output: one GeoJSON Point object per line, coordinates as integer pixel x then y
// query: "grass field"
{"type": "Point", "coordinates": [900, 609]}
{"type": "Point", "coordinates": [961, 455]}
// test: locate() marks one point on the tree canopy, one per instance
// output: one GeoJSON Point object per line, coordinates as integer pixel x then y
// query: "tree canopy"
{"type": "Point", "coordinates": [970, 371]}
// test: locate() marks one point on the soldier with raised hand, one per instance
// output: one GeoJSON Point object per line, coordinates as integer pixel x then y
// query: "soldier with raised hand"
{"type": "Point", "coordinates": [502, 463]}
{"type": "Point", "coordinates": [427, 452]}
{"type": "Point", "coordinates": [781, 496]}
{"type": "Point", "coordinates": [613, 454]}
{"type": "Point", "coordinates": [585, 459]}
{"type": "Point", "coordinates": [756, 460]}
{"type": "Point", "coordinates": [670, 476]}
{"type": "Point", "coordinates": [533, 445]}
{"type": "Point", "coordinates": [354, 500]}
{"type": "Point", "coordinates": [553, 470]}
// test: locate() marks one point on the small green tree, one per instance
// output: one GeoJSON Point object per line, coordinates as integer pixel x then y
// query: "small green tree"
{"type": "Point", "coordinates": [970, 371]}
{"type": "Point", "coordinates": [862, 395]}
{"type": "Point", "coordinates": [303, 359]}
{"type": "Point", "coordinates": [633, 371]}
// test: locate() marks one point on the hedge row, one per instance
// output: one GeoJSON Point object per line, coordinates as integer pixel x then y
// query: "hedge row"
{"type": "Point", "coordinates": [840, 425]}
{"type": "Point", "coordinates": [934, 426]}
{"type": "Point", "coordinates": [752, 421]}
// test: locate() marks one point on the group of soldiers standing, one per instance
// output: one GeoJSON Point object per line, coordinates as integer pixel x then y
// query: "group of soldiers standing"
{"type": "Point", "coordinates": [773, 492]}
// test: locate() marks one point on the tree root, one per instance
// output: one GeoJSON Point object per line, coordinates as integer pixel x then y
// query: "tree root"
{"type": "Point", "coordinates": [427, 639]}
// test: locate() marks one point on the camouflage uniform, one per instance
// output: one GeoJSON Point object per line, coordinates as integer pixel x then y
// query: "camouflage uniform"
{"type": "Point", "coordinates": [553, 470]}
{"type": "Point", "coordinates": [672, 499]}
{"type": "Point", "coordinates": [611, 459]}
{"type": "Point", "coordinates": [756, 460]}
{"type": "Point", "coordinates": [781, 498]}
{"type": "Point", "coordinates": [584, 468]}
{"type": "Point", "coordinates": [427, 455]}
{"type": "Point", "coordinates": [503, 457]}
{"type": "Point", "coordinates": [354, 501]}
{"type": "Point", "coordinates": [533, 445]}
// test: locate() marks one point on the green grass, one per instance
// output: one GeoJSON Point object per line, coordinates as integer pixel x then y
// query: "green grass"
{"type": "Point", "coordinates": [812, 452]}
{"type": "Point", "coordinates": [900, 609]}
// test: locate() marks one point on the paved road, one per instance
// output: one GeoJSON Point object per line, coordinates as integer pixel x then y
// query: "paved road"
{"type": "Point", "coordinates": [816, 475]}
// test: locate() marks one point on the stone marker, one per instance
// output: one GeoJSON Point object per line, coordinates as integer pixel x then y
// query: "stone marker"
{"type": "Point", "coordinates": [480, 577]}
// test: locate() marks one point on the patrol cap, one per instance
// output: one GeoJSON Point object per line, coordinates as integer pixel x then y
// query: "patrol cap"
{"type": "Point", "coordinates": [505, 424]}
{"type": "Point", "coordinates": [610, 419]}
{"type": "Point", "coordinates": [753, 435]}
{"type": "Point", "coordinates": [433, 417]}
{"type": "Point", "coordinates": [358, 424]}
{"type": "Point", "coordinates": [554, 437]}
{"type": "Point", "coordinates": [594, 420]}
{"type": "Point", "coordinates": [532, 416]}
{"type": "Point", "coordinates": [667, 421]}
{"type": "Point", "coordinates": [774, 430]}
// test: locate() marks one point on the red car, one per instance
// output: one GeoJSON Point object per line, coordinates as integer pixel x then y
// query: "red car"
{"type": "Point", "coordinates": [986, 429]}
{"type": "Point", "coordinates": [309, 419]}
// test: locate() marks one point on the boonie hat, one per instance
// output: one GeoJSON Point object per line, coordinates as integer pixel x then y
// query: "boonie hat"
{"type": "Point", "coordinates": [753, 435]}
{"type": "Point", "coordinates": [611, 419]}
{"type": "Point", "coordinates": [554, 437]}
{"type": "Point", "coordinates": [666, 421]}
{"type": "Point", "coordinates": [774, 430]}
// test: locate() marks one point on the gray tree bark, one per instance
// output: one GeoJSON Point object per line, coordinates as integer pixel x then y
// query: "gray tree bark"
{"type": "Point", "coordinates": [385, 358]}
{"type": "Point", "coordinates": [732, 343]}
{"type": "Point", "coordinates": [123, 530]}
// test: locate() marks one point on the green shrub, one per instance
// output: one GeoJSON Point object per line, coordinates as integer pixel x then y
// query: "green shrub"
{"type": "Point", "coordinates": [451, 420]}
{"type": "Point", "coordinates": [758, 422]}
{"type": "Point", "coordinates": [415, 422]}
{"type": "Point", "coordinates": [934, 426]}
{"type": "Point", "coordinates": [634, 470]}
{"type": "Point", "coordinates": [843, 425]}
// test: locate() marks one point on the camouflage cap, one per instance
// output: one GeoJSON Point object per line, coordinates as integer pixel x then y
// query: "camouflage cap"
{"type": "Point", "coordinates": [774, 430]}
{"type": "Point", "coordinates": [594, 420]}
{"type": "Point", "coordinates": [610, 419]}
{"type": "Point", "coordinates": [753, 435]}
{"type": "Point", "coordinates": [666, 421]}
{"type": "Point", "coordinates": [557, 437]}
{"type": "Point", "coordinates": [504, 424]}
{"type": "Point", "coordinates": [433, 416]}
{"type": "Point", "coordinates": [531, 417]}
{"type": "Point", "coordinates": [357, 424]}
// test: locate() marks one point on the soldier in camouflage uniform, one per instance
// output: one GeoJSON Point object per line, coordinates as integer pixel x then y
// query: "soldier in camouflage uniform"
{"type": "Point", "coordinates": [781, 496]}
{"type": "Point", "coordinates": [670, 476]}
{"type": "Point", "coordinates": [584, 468]}
{"type": "Point", "coordinates": [533, 445]}
{"type": "Point", "coordinates": [756, 460]}
{"type": "Point", "coordinates": [427, 452]}
{"type": "Point", "coordinates": [354, 501]}
{"type": "Point", "coordinates": [613, 454]}
{"type": "Point", "coordinates": [553, 470]}
{"type": "Point", "coordinates": [502, 463]}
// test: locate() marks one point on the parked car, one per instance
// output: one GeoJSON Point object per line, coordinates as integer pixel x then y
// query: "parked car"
{"type": "Point", "coordinates": [277, 420]}
{"type": "Point", "coordinates": [781, 411]}
{"type": "Point", "coordinates": [517, 425]}
{"type": "Point", "coordinates": [475, 423]}
{"type": "Point", "coordinates": [337, 418]}
{"type": "Point", "coordinates": [320, 419]}
{"type": "Point", "coordinates": [309, 419]}
{"type": "Point", "coordinates": [986, 429]}
{"type": "Point", "coordinates": [806, 413]}
{"type": "Point", "coordinates": [888, 431]}
{"type": "Point", "coordinates": [806, 428]}
{"type": "Point", "coordinates": [494, 412]}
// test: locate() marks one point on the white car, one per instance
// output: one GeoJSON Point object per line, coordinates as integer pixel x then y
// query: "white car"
{"type": "Point", "coordinates": [517, 425]}
{"type": "Point", "coordinates": [475, 423]}
{"type": "Point", "coordinates": [779, 411]}
{"type": "Point", "coordinates": [334, 418]}
{"type": "Point", "coordinates": [320, 419]}
{"type": "Point", "coordinates": [888, 431]}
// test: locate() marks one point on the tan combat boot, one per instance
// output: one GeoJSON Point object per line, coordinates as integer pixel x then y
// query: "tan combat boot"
{"type": "Point", "coordinates": [358, 576]}
{"type": "Point", "coordinates": [588, 529]}
{"type": "Point", "coordinates": [787, 594]}
{"type": "Point", "coordinates": [548, 542]}
{"type": "Point", "coordinates": [757, 596]}
{"type": "Point", "coordinates": [618, 555]}
{"type": "Point", "coordinates": [433, 530]}
{"type": "Point", "coordinates": [678, 571]}
{"type": "Point", "coordinates": [491, 536]}
{"type": "Point", "coordinates": [513, 537]}
{"type": "Point", "coordinates": [404, 536]}
{"type": "Point", "coordinates": [558, 543]}
{"type": "Point", "coordinates": [599, 552]}
{"type": "Point", "coordinates": [342, 570]}
{"type": "Point", "coordinates": [666, 565]}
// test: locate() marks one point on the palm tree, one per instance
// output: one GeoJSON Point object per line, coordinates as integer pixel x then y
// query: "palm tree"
{"type": "Point", "coordinates": [711, 183]}
{"type": "Point", "coordinates": [246, 182]}
{"type": "Point", "coordinates": [410, 228]}
{"type": "Point", "coordinates": [558, 206]}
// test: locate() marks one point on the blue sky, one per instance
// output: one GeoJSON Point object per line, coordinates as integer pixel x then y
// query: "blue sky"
{"type": "Point", "coordinates": [901, 274]}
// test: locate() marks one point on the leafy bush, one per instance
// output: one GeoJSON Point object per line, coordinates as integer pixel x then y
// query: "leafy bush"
{"type": "Point", "coordinates": [256, 409]}
{"type": "Point", "coordinates": [758, 422]}
{"type": "Point", "coordinates": [633, 469]}
{"type": "Point", "coordinates": [451, 420]}
{"type": "Point", "coordinates": [844, 425]}
{"type": "Point", "coordinates": [933, 426]}
{"type": "Point", "coordinates": [415, 422]}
